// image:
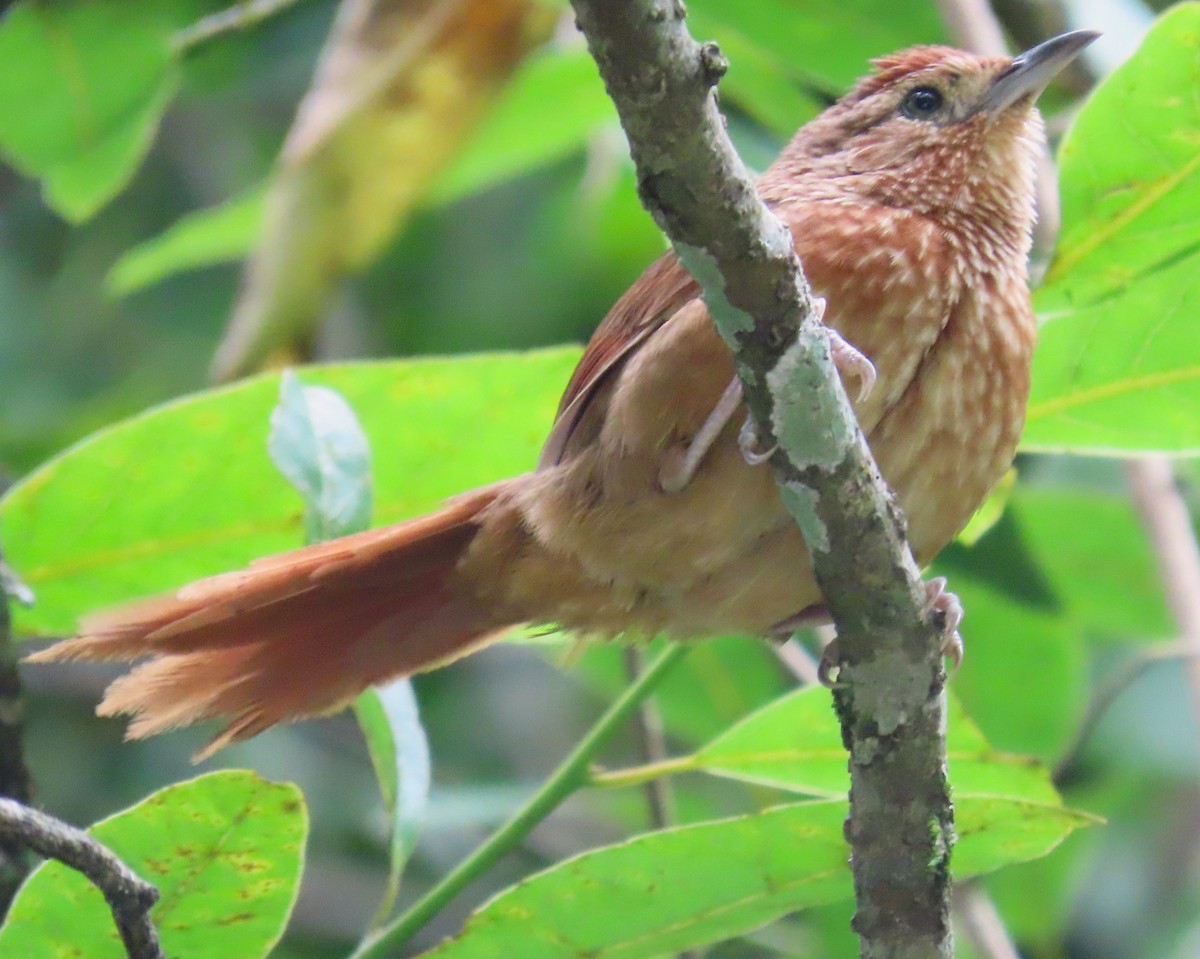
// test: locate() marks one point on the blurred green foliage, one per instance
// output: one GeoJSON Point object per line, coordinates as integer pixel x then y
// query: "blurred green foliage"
{"type": "Point", "coordinates": [524, 243]}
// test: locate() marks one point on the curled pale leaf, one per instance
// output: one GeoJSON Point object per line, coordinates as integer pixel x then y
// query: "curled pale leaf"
{"type": "Point", "coordinates": [400, 85]}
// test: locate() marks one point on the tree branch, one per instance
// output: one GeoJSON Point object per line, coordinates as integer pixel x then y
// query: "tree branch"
{"type": "Point", "coordinates": [693, 183]}
{"type": "Point", "coordinates": [1168, 526]}
{"type": "Point", "coordinates": [15, 781]}
{"type": "Point", "coordinates": [129, 897]}
{"type": "Point", "coordinates": [240, 16]}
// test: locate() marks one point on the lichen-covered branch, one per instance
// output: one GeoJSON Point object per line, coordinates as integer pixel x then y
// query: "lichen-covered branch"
{"type": "Point", "coordinates": [129, 897]}
{"type": "Point", "coordinates": [693, 183]}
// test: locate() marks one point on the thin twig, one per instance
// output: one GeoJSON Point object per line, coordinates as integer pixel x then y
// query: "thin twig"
{"type": "Point", "coordinates": [240, 16]}
{"type": "Point", "coordinates": [570, 775]}
{"type": "Point", "coordinates": [652, 745]}
{"type": "Point", "coordinates": [1168, 525]}
{"type": "Point", "coordinates": [129, 896]}
{"type": "Point", "coordinates": [1116, 683]}
{"type": "Point", "coordinates": [981, 924]}
{"type": "Point", "coordinates": [798, 662]}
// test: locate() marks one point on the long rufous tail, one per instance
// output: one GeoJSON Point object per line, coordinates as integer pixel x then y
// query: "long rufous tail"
{"type": "Point", "coordinates": [293, 635]}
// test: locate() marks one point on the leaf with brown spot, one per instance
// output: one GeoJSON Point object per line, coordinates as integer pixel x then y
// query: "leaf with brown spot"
{"type": "Point", "coordinates": [681, 888]}
{"type": "Point", "coordinates": [195, 841]}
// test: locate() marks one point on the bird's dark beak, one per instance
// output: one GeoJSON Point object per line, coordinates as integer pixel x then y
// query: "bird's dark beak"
{"type": "Point", "coordinates": [1029, 74]}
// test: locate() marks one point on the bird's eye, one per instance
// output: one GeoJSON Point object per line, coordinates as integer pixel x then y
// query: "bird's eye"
{"type": "Point", "coordinates": [921, 103]}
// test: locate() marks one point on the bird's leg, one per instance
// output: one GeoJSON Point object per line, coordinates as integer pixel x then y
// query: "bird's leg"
{"type": "Point", "coordinates": [678, 468]}
{"type": "Point", "coordinates": [847, 360]}
{"type": "Point", "coordinates": [947, 613]}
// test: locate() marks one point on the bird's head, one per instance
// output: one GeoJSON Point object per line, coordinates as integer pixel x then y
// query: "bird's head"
{"type": "Point", "coordinates": [934, 130]}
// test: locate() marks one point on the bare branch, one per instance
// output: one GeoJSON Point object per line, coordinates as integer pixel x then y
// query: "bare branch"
{"type": "Point", "coordinates": [889, 698]}
{"type": "Point", "coordinates": [652, 745]}
{"type": "Point", "coordinates": [797, 661]}
{"type": "Point", "coordinates": [240, 16]}
{"type": "Point", "coordinates": [129, 897]}
{"type": "Point", "coordinates": [1116, 683]}
{"type": "Point", "coordinates": [981, 923]}
{"type": "Point", "coordinates": [1168, 526]}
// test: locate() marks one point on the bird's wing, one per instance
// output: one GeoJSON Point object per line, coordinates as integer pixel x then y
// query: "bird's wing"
{"type": "Point", "coordinates": [653, 299]}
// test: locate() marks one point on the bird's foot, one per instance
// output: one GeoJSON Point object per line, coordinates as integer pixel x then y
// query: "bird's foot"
{"type": "Point", "coordinates": [830, 664]}
{"type": "Point", "coordinates": [947, 613]}
{"type": "Point", "coordinates": [751, 446]}
{"type": "Point", "coordinates": [683, 460]}
{"type": "Point", "coordinates": [850, 362]}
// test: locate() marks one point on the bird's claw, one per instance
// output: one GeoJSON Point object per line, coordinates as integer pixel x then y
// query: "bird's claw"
{"type": "Point", "coordinates": [947, 612]}
{"type": "Point", "coordinates": [831, 663]}
{"type": "Point", "coordinates": [751, 445]}
{"type": "Point", "coordinates": [851, 362]}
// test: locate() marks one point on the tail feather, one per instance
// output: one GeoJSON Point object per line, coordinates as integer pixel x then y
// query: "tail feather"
{"type": "Point", "coordinates": [296, 634]}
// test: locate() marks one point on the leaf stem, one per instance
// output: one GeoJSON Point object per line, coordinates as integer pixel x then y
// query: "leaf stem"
{"type": "Point", "coordinates": [644, 773]}
{"type": "Point", "coordinates": [571, 774]}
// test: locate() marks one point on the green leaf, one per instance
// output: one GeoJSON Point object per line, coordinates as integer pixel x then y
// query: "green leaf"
{"type": "Point", "coordinates": [187, 490]}
{"type": "Point", "coordinates": [202, 238]}
{"type": "Point", "coordinates": [391, 724]}
{"type": "Point", "coordinates": [1117, 369]}
{"type": "Point", "coordinates": [1024, 679]}
{"type": "Point", "coordinates": [720, 681]}
{"type": "Point", "coordinates": [225, 852]}
{"type": "Point", "coordinates": [676, 889]}
{"type": "Point", "coordinates": [795, 743]}
{"type": "Point", "coordinates": [84, 84]}
{"type": "Point", "coordinates": [1093, 552]}
{"type": "Point", "coordinates": [318, 445]}
{"type": "Point", "coordinates": [838, 37]}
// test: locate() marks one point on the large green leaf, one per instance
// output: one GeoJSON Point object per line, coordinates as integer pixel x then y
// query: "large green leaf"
{"type": "Point", "coordinates": [1118, 366]}
{"type": "Point", "coordinates": [795, 743]}
{"type": "Point", "coordinates": [225, 852]}
{"type": "Point", "coordinates": [187, 489]}
{"type": "Point", "coordinates": [83, 83]}
{"type": "Point", "coordinates": [680, 888]}
{"type": "Point", "coordinates": [1093, 552]}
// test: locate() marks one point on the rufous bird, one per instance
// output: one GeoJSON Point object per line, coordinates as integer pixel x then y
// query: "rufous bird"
{"type": "Point", "coordinates": [911, 202]}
